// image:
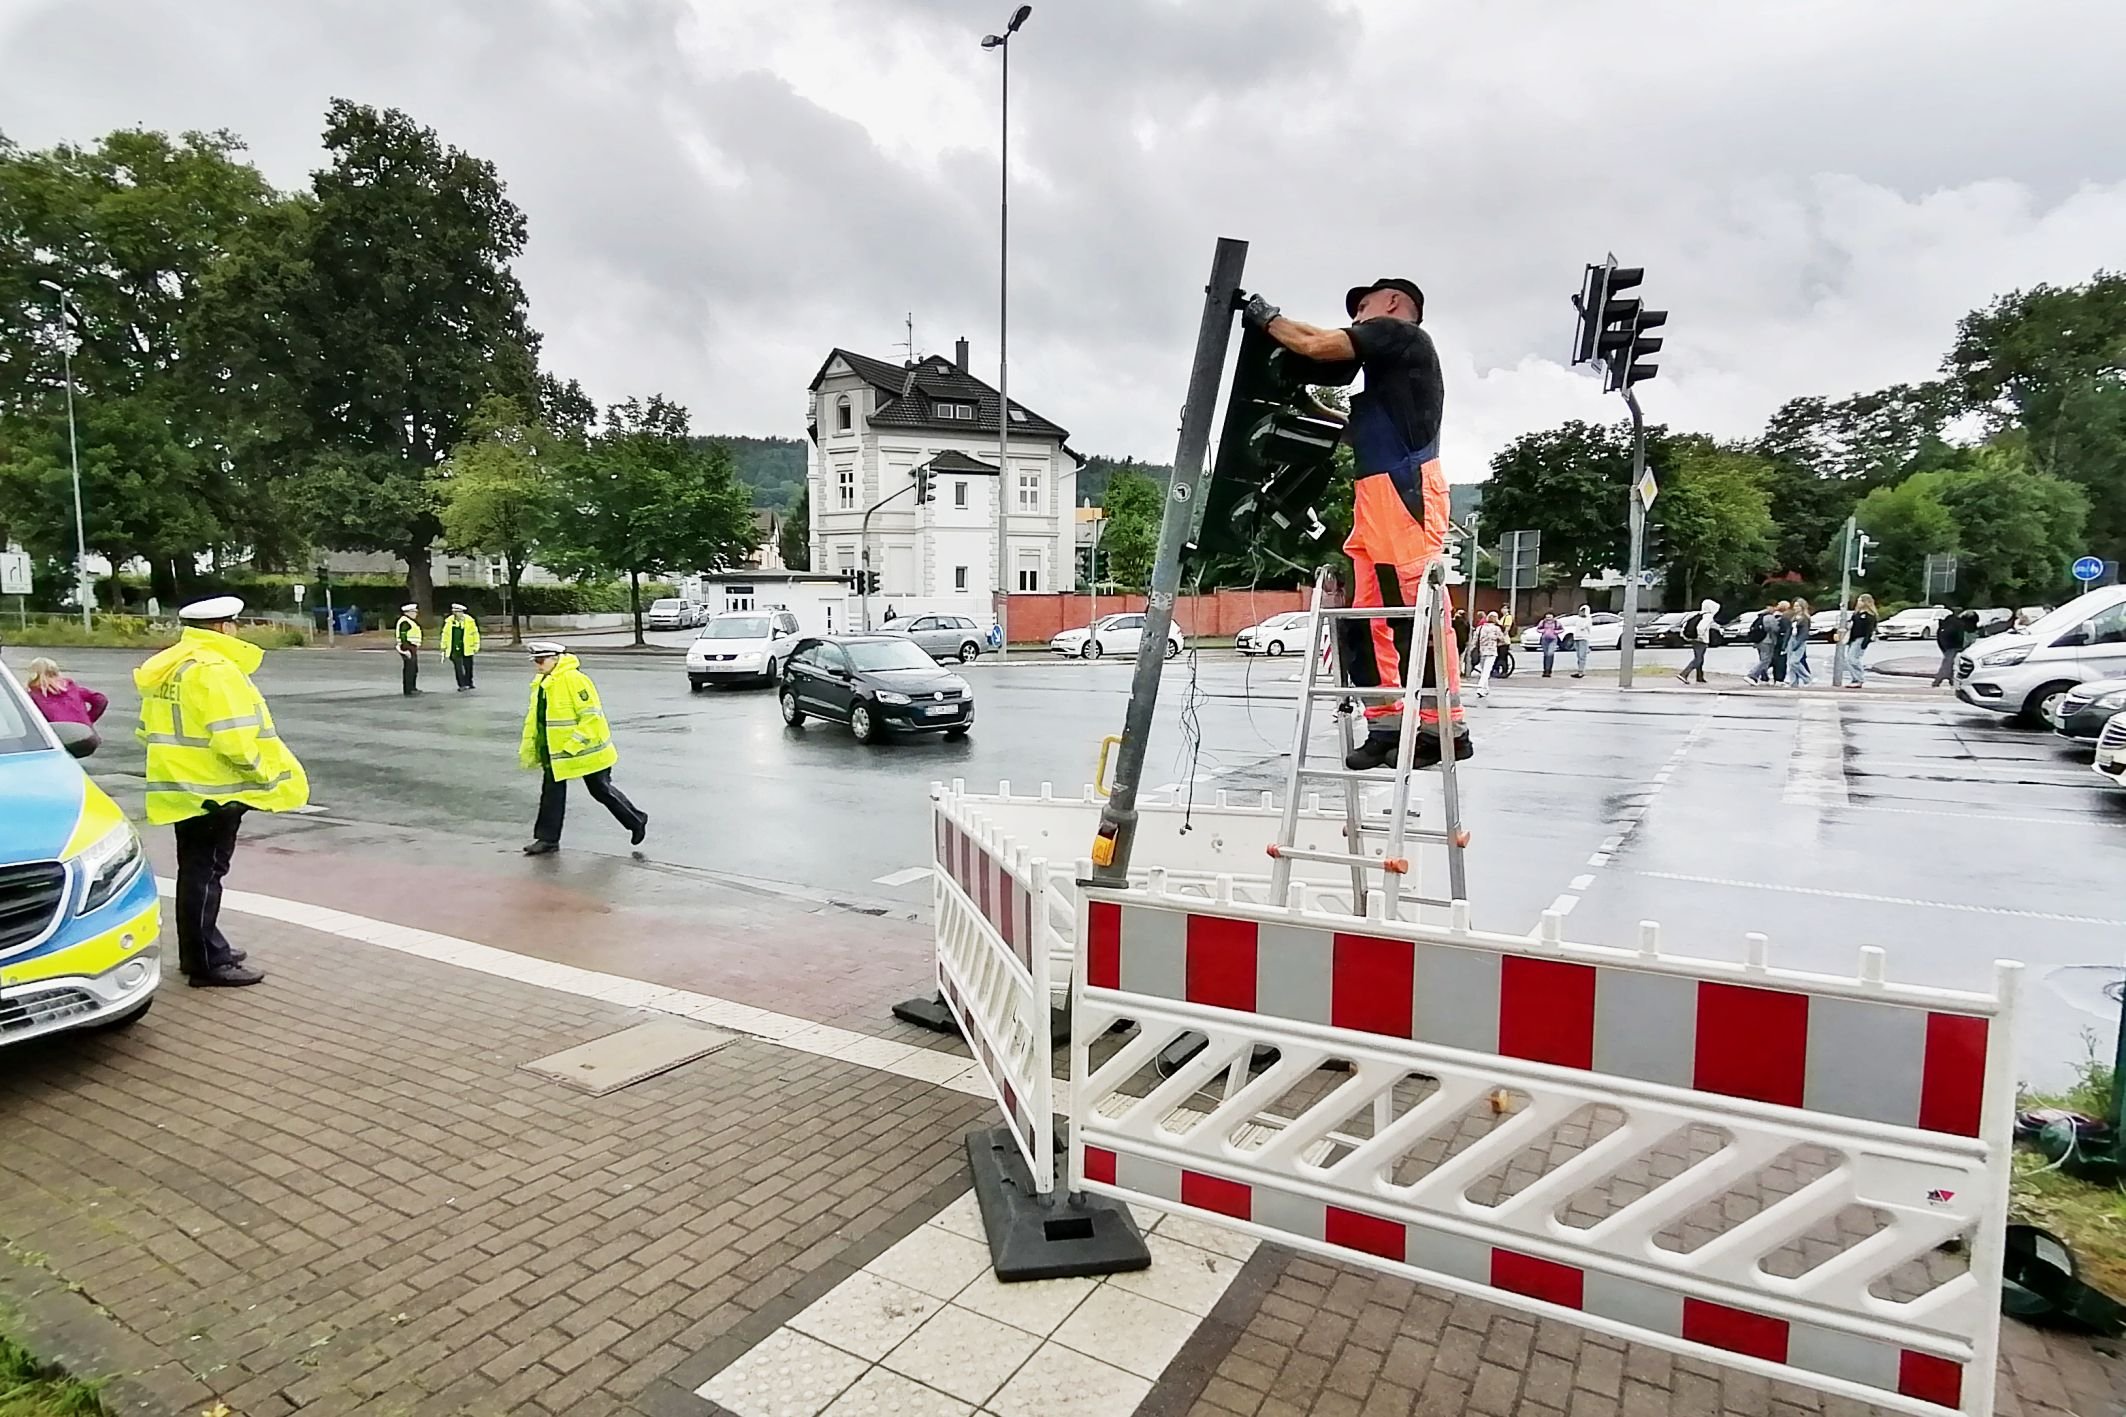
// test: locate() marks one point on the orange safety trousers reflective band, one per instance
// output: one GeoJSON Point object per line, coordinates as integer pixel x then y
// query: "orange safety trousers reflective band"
{"type": "Point", "coordinates": [1390, 550]}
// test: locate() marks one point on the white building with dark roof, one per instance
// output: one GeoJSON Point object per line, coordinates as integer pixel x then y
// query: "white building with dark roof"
{"type": "Point", "coordinates": [874, 422]}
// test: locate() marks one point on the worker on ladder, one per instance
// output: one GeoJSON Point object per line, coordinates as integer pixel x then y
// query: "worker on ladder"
{"type": "Point", "coordinates": [1399, 516]}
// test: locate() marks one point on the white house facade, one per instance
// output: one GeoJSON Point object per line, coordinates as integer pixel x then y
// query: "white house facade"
{"type": "Point", "coordinates": [873, 423]}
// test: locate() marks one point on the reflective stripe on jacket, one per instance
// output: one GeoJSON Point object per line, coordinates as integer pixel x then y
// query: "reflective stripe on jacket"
{"type": "Point", "coordinates": [471, 628]}
{"type": "Point", "coordinates": [409, 631]}
{"type": "Point", "coordinates": [578, 742]}
{"type": "Point", "coordinates": [209, 734]}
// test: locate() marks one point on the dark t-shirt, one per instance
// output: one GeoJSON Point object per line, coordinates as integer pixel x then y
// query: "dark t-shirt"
{"type": "Point", "coordinates": [1397, 414]}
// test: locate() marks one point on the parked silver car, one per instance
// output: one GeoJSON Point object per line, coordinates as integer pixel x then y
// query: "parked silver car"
{"type": "Point", "coordinates": [943, 636]}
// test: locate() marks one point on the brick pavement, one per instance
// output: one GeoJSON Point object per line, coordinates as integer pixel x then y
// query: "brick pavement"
{"type": "Point", "coordinates": [338, 1193]}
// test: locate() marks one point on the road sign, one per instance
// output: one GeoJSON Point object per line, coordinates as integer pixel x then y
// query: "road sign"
{"type": "Point", "coordinates": [2088, 568]}
{"type": "Point", "coordinates": [1648, 489]}
{"type": "Point", "coordinates": [1520, 557]}
{"type": "Point", "coordinates": [299, 589]}
{"type": "Point", "coordinates": [1940, 576]}
{"type": "Point", "coordinates": [14, 573]}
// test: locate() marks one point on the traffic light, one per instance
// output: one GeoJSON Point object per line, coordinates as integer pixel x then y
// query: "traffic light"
{"type": "Point", "coordinates": [871, 582]}
{"type": "Point", "coordinates": [1656, 544]}
{"type": "Point", "coordinates": [923, 475]}
{"type": "Point", "coordinates": [1613, 326]}
{"type": "Point", "coordinates": [1276, 457]}
{"type": "Point", "coordinates": [1861, 542]}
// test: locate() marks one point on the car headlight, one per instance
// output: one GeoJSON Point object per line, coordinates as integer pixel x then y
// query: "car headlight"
{"type": "Point", "coordinates": [109, 865]}
{"type": "Point", "coordinates": [2002, 658]}
{"type": "Point", "coordinates": [2116, 699]}
{"type": "Point", "coordinates": [887, 696]}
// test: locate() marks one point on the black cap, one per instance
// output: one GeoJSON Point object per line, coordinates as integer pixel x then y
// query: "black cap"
{"type": "Point", "coordinates": [1407, 287]}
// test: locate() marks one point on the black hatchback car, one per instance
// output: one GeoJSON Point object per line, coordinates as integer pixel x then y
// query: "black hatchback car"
{"type": "Point", "coordinates": [877, 684]}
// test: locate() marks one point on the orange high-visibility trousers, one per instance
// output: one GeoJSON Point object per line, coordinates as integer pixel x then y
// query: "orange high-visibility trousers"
{"type": "Point", "coordinates": [1390, 550]}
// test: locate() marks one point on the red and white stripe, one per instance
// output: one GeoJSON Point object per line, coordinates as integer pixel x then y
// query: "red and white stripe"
{"type": "Point", "coordinates": [1003, 899]}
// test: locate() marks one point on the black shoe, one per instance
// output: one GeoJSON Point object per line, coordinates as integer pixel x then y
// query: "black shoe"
{"type": "Point", "coordinates": [642, 829]}
{"type": "Point", "coordinates": [236, 957]}
{"type": "Point", "coordinates": [1579, 674]}
{"type": "Point", "coordinates": [1428, 754]}
{"type": "Point", "coordinates": [1378, 751]}
{"type": "Point", "coordinates": [227, 976]}
{"type": "Point", "coordinates": [541, 848]}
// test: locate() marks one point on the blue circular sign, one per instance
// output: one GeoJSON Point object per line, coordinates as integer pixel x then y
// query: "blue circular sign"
{"type": "Point", "coordinates": [996, 637]}
{"type": "Point", "coordinates": [2088, 568]}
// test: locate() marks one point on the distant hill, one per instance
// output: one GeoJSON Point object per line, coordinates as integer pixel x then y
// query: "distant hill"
{"type": "Point", "coordinates": [774, 468]}
{"type": "Point", "coordinates": [1098, 472]}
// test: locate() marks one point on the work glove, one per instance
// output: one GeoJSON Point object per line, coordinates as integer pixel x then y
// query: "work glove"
{"type": "Point", "coordinates": [1258, 312]}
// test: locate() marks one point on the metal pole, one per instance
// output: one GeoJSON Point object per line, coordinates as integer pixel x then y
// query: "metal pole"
{"type": "Point", "coordinates": [332, 633]}
{"type": "Point", "coordinates": [73, 452]}
{"type": "Point", "coordinates": [1630, 641]}
{"type": "Point", "coordinates": [1118, 816]}
{"type": "Point", "coordinates": [1003, 591]}
{"type": "Point", "coordinates": [1845, 598]}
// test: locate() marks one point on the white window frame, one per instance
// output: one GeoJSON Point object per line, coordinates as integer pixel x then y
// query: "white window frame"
{"type": "Point", "coordinates": [845, 486]}
{"type": "Point", "coordinates": [1029, 499]}
{"type": "Point", "coordinates": [959, 494]}
{"type": "Point", "coordinates": [844, 415]}
{"type": "Point", "coordinates": [959, 578]}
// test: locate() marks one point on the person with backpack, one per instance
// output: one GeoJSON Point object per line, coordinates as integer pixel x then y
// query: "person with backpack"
{"type": "Point", "coordinates": [1698, 634]}
{"type": "Point", "coordinates": [1950, 637]}
{"type": "Point", "coordinates": [1767, 631]}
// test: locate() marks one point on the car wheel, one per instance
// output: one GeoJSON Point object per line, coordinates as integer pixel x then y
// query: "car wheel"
{"type": "Point", "coordinates": [863, 722]}
{"type": "Point", "coordinates": [1091, 651]}
{"type": "Point", "coordinates": [791, 713]}
{"type": "Point", "coordinates": [774, 669]}
{"type": "Point", "coordinates": [1172, 649]}
{"type": "Point", "coordinates": [2042, 704]}
{"type": "Point", "coordinates": [125, 1020]}
{"type": "Point", "coordinates": [694, 686]}
{"type": "Point", "coordinates": [970, 652]}
{"type": "Point", "coordinates": [1274, 648]}
{"type": "Point", "coordinates": [956, 733]}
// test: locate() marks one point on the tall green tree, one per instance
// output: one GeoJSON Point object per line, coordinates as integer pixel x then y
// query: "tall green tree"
{"type": "Point", "coordinates": [1129, 533]}
{"type": "Point", "coordinates": [2017, 530]}
{"type": "Point", "coordinates": [646, 498]}
{"type": "Point", "coordinates": [1569, 483]}
{"type": "Point", "coordinates": [1716, 507]}
{"type": "Point", "coordinates": [407, 315]}
{"type": "Point", "coordinates": [1908, 523]}
{"type": "Point", "coordinates": [498, 492]}
{"type": "Point", "coordinates": [796, 544]}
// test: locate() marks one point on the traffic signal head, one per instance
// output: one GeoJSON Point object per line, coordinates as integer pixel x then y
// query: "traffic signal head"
{"type": "Point", "coordinates": [1613, 325]}
{"type": "Point", "coordinates": [871, 582]}
{"type": "Point", "coordinates": [922, 484]}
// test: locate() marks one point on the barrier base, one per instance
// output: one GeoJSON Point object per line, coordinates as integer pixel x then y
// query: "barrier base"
{"type": "Point", "coordinates": [1061, 1236]}
{"type": "Point", "coordinates": [930, 1013]}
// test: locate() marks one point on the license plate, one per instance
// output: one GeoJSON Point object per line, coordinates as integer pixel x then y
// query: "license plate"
{"type": "Point", "coordinates": [940, 710]}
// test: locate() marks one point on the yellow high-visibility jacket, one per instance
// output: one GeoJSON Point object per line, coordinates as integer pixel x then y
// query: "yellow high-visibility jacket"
{"type": "Point", "coordinates": [209, 734]}
{"type": "Point", "coordinates": [472, 634]}
{"type": "Point", "coordinates": [409, 631]}
{"type": "Point", "coordinates": [578, 740]}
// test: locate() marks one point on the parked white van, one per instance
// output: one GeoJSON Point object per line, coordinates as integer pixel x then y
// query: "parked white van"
{"type": "Point", "coordinates": [2027, 672]}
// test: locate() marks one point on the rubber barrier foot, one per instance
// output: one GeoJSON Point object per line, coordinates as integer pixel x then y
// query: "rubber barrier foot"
{"type": "Point", "coordinates": [930, 1013]}
{"type": "Point", "coordinates": [1057, 1236]}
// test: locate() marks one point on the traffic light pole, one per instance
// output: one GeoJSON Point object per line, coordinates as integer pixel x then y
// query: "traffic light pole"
{"type": "Point", "coordinates": [1845, 598]}
{"type": "Point", "coordinates": [1637, 561]}
{"type": "Point", "coordinates": [863, 542]}
{"type": "Point", "coordinates": [1118, 816]}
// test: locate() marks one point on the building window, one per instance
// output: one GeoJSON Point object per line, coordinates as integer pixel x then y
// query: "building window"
{"type": "Point", "coordinates": [1029, 491]}
{"type": "Point", "coordinates": [959, 494]}
{"type": "Point", "coordinates": [1018, 415]}
{"type": "Point", "coordinates": [738, 597]}
{"type": "Point", "coordinates": [842, 417]}
{"type": "Point", "coordinates": [953, 411]}
{"type": "Point", "coordinates": [1029, 578]}
{"type": "Point", "coordinates": [845, 481]}
{"type": "Point", "coordinates": [959, 578]}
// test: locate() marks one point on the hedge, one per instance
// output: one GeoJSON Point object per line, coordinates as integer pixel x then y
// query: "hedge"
{"type": "Point", "coordinates": [379, 597]}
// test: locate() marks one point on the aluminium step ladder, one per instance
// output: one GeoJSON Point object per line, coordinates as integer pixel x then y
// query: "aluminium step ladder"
{"type": "Point", "coordinates": [1429, 636]}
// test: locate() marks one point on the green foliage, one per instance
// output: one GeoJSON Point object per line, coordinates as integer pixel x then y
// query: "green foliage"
{"type": "Point", "coordinates": [2014, 531]}
{"type": "Point", "coordinates": [498, 493]}
{"type": "Point", "coordinates": [1129, 536]}
{"type": "Point", "coordinates": [1716, 507]}
{"type": "Point", "coordinates": [771, 469]}
{"type": "Point", "coordinates": [1569, 483]}
{"type": "Point", "coordinates": [645, 498]}
{"type": "Point", "coordinates": [796, 543]}
{"type": "Point", "coordinates": [29, 1388]}
{"type": "Point", "coordinates": [1909, 524]}
{"type": "Point", "coordinates": [136, 632]}
{"type": "Point", "coordinates": [1097, 472]}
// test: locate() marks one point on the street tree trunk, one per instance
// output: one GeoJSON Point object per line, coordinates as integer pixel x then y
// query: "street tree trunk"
{"type": "Point", "coordinates": [634, 603]}
{"type": "Point", "coordinates": [516, 621]}
{"type": "Point", "coordinates": [420, 577]}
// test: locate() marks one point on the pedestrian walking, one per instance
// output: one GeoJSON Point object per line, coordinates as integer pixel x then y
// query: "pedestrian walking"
{"type": "Point", "coordinates": [1767, 632]}
{"type": "Point", "coordinates": [1858, 638]}
{"type": "Point", "coordinates": [408, 635]}
{"type": "Point", "coordinates": [1797, 645]}
{"type": "Point", "coordinates": [1950, 637]}
{"type": "Point", "coordinates": [1782, 630]}
{"type": "Point", "coordinates": [459, 639]}
{"type": "Point", "coordinates": [566, 737]}
{"type": "Point", "coordinates": [1547, 633]}
{"type": "Point", "coordinates": [1698, 634]}
{"type": "Point", "coordinates": [70, 708]}
{"type": "Point", "coordinates": [1490, 640]}
{"type": "Point", "coordinates": [1581, 638]}
{"type": "Point", "coordinates": [213, 755]}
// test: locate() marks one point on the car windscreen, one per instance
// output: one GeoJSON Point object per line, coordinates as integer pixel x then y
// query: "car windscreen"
{"type": "Point", "coordinates": [20, 730]}
{"type": "Point", "coordinates": [2073, 613]}
{"type": "Point", "coordinates": [750, 627]}
{"type": "Point", "coordinates": [666, 604]}
{"type": "Point", "coordinates": [887, 654]}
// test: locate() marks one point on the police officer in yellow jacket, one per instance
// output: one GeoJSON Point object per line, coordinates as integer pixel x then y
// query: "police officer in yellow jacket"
{"type": "Point", "coordinates": [459, 639]}
{"type": "Point", "coordinates": [408, 636]}
{"type": "Point", "coordinates": [213, 754]}
{"type": "Point", "coordinates": [566, 737]}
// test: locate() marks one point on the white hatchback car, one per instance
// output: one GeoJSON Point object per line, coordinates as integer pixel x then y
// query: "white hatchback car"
{"type": "Point", "coordinates": [2029, 672]}
{"type": "Point", "coordinates": [1275, 635]}
{"type": "Point", "coordinates": [741, 646]}
{"type": "Point", "coordinates": [1113, 634]}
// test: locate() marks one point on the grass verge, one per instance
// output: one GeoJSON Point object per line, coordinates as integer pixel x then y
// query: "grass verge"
{"type": "Point", "coordinates": [132, 632]}
{"type": "Point", "coordinates": [29, 1388]}
{"type": "Point", "coordinates": [2088, 1215]}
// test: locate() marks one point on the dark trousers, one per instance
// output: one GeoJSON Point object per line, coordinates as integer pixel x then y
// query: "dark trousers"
{"type": "Point", "coordinates": [409, 670]}
{"type": "Point", "coordinates": [461, 665]}
{"type": "Point", "coordinates": [1697, 662]}
{"type": "Point", "coordinates": [553, 803]}
{"type": "Point", "coordinates": [206, 844]}
{"type": "Point", "coordinates": [1947, 673]}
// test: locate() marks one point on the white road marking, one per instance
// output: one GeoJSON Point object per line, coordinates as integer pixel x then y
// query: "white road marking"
{"type": "Point", "coordinates": [1563, 904]}
{"type": "Point", "coordinates": [2058, 820]}
{"type": "Point", "coordinates": [1581, 883]}
{"type": "Point", "coordinates": [1815, 772]}
{"type": "Point", "coordinates": [1881, 899]}
{"type": "Point", "coordinates": [906, 877]}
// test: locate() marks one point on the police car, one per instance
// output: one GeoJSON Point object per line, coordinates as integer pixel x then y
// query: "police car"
{"type": "Point", "coordinates": [79, 920]}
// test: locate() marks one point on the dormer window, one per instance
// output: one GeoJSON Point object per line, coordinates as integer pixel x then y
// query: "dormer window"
{"type": "Point", "coordinates": [960, 411]}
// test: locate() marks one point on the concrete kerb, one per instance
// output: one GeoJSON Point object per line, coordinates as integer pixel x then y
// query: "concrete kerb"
{"type": "Point", "coordinates": [62, 1324]}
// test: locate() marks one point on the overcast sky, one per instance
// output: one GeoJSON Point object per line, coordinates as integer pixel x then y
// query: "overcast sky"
{"type": "Point", "coordinates": [721, 190]}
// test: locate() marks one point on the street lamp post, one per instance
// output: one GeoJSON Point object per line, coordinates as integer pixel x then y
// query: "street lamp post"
{"type": "Point", "coordinates": [73, 447]}
{"type": "Point", "coordinates": [1002, 597]}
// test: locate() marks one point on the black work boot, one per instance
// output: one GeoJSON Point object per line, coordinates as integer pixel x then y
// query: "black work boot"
{"type": "Point", "coordinates": [541, 848]}
{"type": "Point", "coordinates": [226, 976]}
{"type": "Point", "coordinates": [1377, 751]}
{"type": "Point", "coordinates": [1428, 747]}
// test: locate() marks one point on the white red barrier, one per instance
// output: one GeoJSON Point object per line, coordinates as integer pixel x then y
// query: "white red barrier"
{"type": "Point", "coordinates": [1854, 1126]}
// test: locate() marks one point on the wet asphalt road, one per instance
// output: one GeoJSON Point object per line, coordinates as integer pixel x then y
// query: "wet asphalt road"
{"type": "Point", "coordinates": [1827, 823]}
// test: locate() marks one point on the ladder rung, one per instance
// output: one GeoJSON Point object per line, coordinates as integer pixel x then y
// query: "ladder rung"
{"type": "Point", "coordinates": [1372, 775]}
{"type": "Point", "coordinates": [1333, 858]}
{"type": "Point", "coordinates": [1353, 691]}
{"type": "Point", "coordinates": [1431, 834]}
{"type": "Point", "coordinates": [1376, 612]}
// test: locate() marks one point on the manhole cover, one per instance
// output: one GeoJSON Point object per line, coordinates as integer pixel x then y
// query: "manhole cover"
{"type": "Point", "coordinates": [606, 1064]}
